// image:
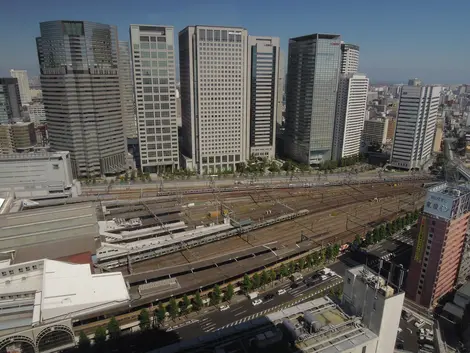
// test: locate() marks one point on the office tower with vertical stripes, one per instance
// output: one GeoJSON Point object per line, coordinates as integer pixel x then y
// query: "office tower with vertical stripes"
{"type": "Point", "coordinates": [81, 93]}
{"type": "Point", "coordinates": [153, 63]}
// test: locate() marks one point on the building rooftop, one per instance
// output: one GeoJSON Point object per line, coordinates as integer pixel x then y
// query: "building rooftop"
{"type": "Point", "coordinates": [33, 155]}
{"type": "Point", "coordinates": [317, 325]}
{"type": "Point", "coordinates": [37, 292]}
{"type": "Point", "coordinates": [317, 36]}
{"type": "Point", "coordinates": [49, 232]}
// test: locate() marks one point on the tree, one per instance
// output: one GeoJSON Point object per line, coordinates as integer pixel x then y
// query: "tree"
{"type": "Point", "coordinates": [186, 308]}
{"type": "Point", "coordinates": [133, 175]}
{"type": "Point", "coordinates": [329, 253]}
{"type": "Point", "coordinates": [83, 342]}
{"type": "Point", "coordinates": [161, 313]}
{"type": "Point", "coordinates": [264, 278]}
{"type": "Point", "coordinates": [173, 308]}
{"type": "Point", "coordinates": [283, 271]}
{"type": "Point", "coordinates": [369, 239]}
{"type": "Point", "coordinates": [291, 267]}
{"type": "Point", "coordinates": [100, 335]}
{"type": "Point", "coordinates": [247, 284]}
{"type": "Point", "coordinates": [215, 295]}
{"type": "Point", "coordinates": [147, 176]}
{"type": "Point", "coordinates": [126, 177]}
{"type": "Point", "coordinates": [229, 292]}
{"type": "Point", "coordinates": [321, 256]}
{"type": "Point", "coordinates": [335, 250]}
{"type": "Point", "coordinates": [272, 275]}
{"type": "Point", "coordinates": [144, 320]}
{"type": "Point", "coordinates": [357, 240]}
{"type": "Point", "coordinates": [113, 328]}
{"type": "Point", "coordinates": [301, 264]}
{"type": "Point", "coordinates": [256, 280]}
{"type": "Point", "coordinates": [197, 302]}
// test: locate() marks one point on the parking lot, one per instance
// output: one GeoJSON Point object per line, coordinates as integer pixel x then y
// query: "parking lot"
{"type": "Point", "coordinates": [408, 337]}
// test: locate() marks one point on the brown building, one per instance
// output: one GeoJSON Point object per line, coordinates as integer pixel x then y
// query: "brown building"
{"type": "Point", "coordinates": [439, 244]}
{"type": "Point", "coordinates": [17, 137]}
{"type": "Point", "coordinates": [392, 124]}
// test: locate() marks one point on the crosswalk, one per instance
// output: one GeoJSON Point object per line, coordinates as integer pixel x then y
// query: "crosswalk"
{"type": "Point", "coordinates": [207, 325]}
{"type": "Point", "coordinates": [295, 292]}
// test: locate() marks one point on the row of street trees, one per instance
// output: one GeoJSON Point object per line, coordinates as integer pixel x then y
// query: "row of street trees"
{"type": "Point", "coordinates": [383, 231]}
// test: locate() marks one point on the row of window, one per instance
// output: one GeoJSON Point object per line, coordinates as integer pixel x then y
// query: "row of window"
{"type": "Point", "coordinates": [20, 270]}
{"type": "Point", "coordinates": [219, 159]}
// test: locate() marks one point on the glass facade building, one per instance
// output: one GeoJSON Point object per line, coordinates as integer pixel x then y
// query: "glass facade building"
{"type": "Point", "coordinates": [81, 93]}
{"type": "Point", "coordinates": [312, 84]}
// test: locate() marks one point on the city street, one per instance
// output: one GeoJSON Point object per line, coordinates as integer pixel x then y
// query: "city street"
{"type": "Point", "coordinates": [244, 310]}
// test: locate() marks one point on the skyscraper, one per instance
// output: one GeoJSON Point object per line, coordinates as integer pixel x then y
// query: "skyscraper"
{"type": "Point", "coordinates": [153, 62]}
{"type": "Point", "coordinates": [263, 81]}
{"type": "Point", "coordinates": [312, 84]}
{"type": "Point", "coordinates": [416, 123]}
{"type": "Point", "coordinates": [439, 244]}
{"type": "Point", "coordinates": [349, 58]}
{"type": "Point", "coordinates": [127, 91]}
{"type": "Point", "coordinates": [350, 113]}
{"type": "Point", "coordinates": [213, 74]}
{"type": "Point", "coordinates": [23, 85]}
{"type": "Point", "coordinates": [80, 85]}
{"type": "Point", "coordinates": [10, 101]}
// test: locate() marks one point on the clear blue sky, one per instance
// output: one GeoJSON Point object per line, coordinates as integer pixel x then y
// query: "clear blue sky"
{"type": "Point", "coordinates": [399, 39]}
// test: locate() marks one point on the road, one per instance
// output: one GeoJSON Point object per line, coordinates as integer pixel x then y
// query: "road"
{"type": "Point", "coordinates": [244, 310]}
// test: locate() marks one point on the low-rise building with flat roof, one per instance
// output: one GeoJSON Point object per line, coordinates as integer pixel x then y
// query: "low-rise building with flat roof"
{"type": "Point", "coordinates": [63, 232]}
{"type": "Point", "coordinates": [39, 300]}
{"type": "Point", "coordinates": [38, 175]}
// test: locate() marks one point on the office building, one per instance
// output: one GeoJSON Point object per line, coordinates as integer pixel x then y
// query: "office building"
{"type": "Point", "coordinates": [416, 124]}
{"type": "Point", "coordinates": [351, 107]}
{"type": "Point", "coordinates": [263, 81]}
{"type": "Point", "coordinates": [42, 299]}
{"type": "Point", "coordinates": [153, 62]}
{"type": "Point", "coordinates": [312, 84]}
{"type": "Point", "coordinates": [414, 82]}
{"type": "Point", "coordinates": [349, 58]}
{"type": "Point", "coordinates": [369, 296]}
{"type": "Point", "coordinates": [10, 102]}
{"type": "Point", "coordinates": [81, 94]}
{"type": "Point", "coordinates": [375, 131]}
{"type": "Point", "coordinates": [37, 112]}
{"type": "Point", "coordinates": [438, 247]}
{"type": "Point", "coordinates": [38, 175]}
{"type": "Point", "coordinates": [23, 85]}
{"type": "Point", "coordinates": [213, 74]}
{"type": "Point", "coordinates": [17, 137]}
{"type": "Point", "coordinates": [127, 91]}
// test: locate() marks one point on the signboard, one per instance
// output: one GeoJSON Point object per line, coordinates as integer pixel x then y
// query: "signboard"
{"type": "Point", "coordinates": [439, 205]}
{"type": "Point", "coordinates": [421, 239]}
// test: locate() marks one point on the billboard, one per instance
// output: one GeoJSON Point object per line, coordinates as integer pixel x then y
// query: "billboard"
{"type": "Point", "coordinates": [439, 205]}
{"type": "Point", "coordinates": [421, 239]}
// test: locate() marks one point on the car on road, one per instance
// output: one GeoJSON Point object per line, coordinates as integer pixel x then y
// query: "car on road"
{"type": "Point", "coordinates": [256, 302]}
{"type": "Point", "coordinates": [281, 292]}
{"type": "Point", "coordinates": [224, 307]}
{"type": "Point", "coordinates": [268, 297]}
{"type": "Point", "coordinates": [400, 330]}
{"type": "Point", "coordinates": [419, 323]}
{"type": "Point", "coordinates": [293, 285]}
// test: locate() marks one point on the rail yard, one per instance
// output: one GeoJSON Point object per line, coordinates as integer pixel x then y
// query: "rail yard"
{"type": "Point", "coordinates": [195, 238]}
{"type": "Point", "coordinates": [179, 242]}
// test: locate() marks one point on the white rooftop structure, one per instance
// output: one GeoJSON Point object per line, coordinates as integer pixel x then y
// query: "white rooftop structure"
{"type": "Point", "coordinates": [56, 290]}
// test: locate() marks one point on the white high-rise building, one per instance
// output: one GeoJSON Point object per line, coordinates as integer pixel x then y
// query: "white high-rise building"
{"type": "Point", "coordinates": [416, 124]}
{"type": "Point", "coordinates": [153, 63]}
{"type": "Point", "coordinates": [349, 58]}
{"type": "Point", "coordinates": [127, 91]}
{"type": "Point", "coordinates": [263, 81]}
{"type": "Point", "coordinates": [37, 112]}
{"type": "Point", "coordinates": [23, 84]}
{"type": "Point", "coordinates": [350, 114]}
{"type": "Point", "coordinates": [213, 74]}
{"type": "Point", "coordinates": [368, 295]}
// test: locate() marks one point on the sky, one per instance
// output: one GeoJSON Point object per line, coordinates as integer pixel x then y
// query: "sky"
{"type": "Point", "coordinates": [398, 39]}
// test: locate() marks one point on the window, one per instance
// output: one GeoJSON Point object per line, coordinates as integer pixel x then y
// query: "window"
{"type": "Point", "coordinates": [20, 270]}
{"type": "Point", "coordinates": [364, 349]}
{"type": "Point", "coordinates": [11, 272]}
{"type": "Point", "coordinates": [4, 273]}
{"type": "Point", "coordinates": [55, 166]}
